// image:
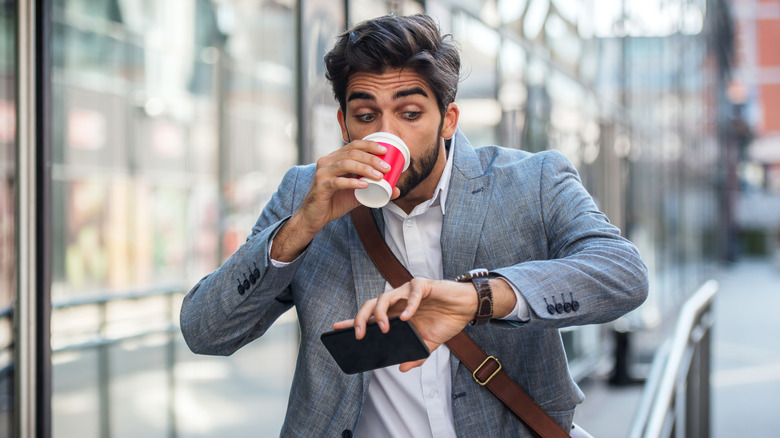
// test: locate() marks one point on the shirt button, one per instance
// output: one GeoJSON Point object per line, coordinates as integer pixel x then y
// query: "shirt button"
{"type": "Point", "coordinates": [409, 223]}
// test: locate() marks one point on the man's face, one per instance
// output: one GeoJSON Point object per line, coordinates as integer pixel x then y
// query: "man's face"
{"type": "Point", "coordinates": [401, 103]}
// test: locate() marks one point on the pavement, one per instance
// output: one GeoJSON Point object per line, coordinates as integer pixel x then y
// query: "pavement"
{"type": "Point", "coordinates": [745, 379]}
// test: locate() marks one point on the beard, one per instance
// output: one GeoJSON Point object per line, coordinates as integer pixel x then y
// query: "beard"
{"type": "Point", "coordinates": [419, 169]}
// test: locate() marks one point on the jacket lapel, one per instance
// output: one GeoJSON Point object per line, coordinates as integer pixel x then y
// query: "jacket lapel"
{"type": "Point", "coordinates": [467, 203]}
{"type": "Point", "coordinates": [464, 218]}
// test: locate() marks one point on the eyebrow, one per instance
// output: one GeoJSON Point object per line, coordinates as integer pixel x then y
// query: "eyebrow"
{"type": "Point", "coordinates": [360, 95]}
{"type": "Point", "coordinates": [409, 92]}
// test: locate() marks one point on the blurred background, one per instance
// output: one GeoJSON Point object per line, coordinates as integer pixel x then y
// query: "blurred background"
{"type": "Point", "coordinates": [140, 139]}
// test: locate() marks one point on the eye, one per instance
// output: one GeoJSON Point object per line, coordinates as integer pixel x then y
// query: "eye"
{"type": "Point", "coordinates": [412, 115]}
{"type": "Point", "coordinates": [366, 118]}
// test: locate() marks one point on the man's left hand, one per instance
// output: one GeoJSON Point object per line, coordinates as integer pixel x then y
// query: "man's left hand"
{"type": "Point", "coordinates": [438, 309]}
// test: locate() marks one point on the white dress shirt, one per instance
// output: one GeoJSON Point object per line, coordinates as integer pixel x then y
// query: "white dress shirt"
{"type": "Point", "coordinates": [416, 403]}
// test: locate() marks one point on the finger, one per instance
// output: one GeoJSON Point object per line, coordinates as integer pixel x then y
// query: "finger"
{"type": "Point", "coordinates": [343, 324]}
{"type": "Point", "coordinates": [362, 317]}
{"type": "Point", "coordinates": [413, 299]}
{"type": "Point", "coordinates": [380, 311]}
{"type": "Point", "coordinates": [368, 155]}
{"type": "Point", "coordinates": [342, 161]}
{"type": "Point", "coordinates": [371, 147]}
{"type": "Point", "coordinates": [396, 193]}
{"type": "Point", "coordinates": [407, 366]}
{"type": "Point", "coordinates": [371, 167]}
{"type": "Point", "coordinates": [344, 183]}
{"type": "Point", "coordinates": [390, 304]}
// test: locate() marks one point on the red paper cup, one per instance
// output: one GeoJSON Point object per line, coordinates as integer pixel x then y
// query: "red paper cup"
{"type": "Point", "coordinates": [378, 193]}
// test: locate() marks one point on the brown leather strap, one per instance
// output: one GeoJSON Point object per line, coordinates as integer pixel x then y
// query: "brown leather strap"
{"type": "Point", "coordinates": [487, 370]}
{"type": "Point", "coordinates": [394, 272]}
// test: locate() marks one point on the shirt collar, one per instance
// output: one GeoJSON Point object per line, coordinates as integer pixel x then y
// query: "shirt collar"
{"type": "Point", "coordinates": [443, 188]}
{"type": "Point", "coordinates": [439, 194]}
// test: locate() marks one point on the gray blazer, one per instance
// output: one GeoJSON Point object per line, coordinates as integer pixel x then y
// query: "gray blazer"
{"type": "Point", "coordinates": [523, 216]}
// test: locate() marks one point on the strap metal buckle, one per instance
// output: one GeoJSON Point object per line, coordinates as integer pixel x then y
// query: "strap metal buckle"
{"type": "Point", "coordinates": [474, 374]}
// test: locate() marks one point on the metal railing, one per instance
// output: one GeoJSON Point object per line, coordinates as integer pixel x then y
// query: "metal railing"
{"type": "Point", "coordinates": [173, 293]}
{"type": "Point", "coordinates": [676, 398]}
{"type": "Point", "coordinates": [101, 342]}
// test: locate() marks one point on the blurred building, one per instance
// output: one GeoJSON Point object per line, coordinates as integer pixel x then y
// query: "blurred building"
{"type": "Point", "coordinates": [140, 140]}
{"type": "Point", "coordinates": [755, 91]}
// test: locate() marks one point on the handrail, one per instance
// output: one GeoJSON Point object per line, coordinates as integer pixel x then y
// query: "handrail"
{"type": "Point", "coordinates": [676, 395]}
{"type": "Point", "coordinates": [104, 297]}
{"type": "Point", "coordinates": [109, 295]}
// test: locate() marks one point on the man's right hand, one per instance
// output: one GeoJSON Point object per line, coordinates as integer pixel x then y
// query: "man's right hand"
{"type": "Point", "coordinates": [331, 195]}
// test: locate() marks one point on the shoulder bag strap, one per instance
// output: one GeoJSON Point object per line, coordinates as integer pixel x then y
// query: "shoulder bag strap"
{"type": "Point", "coordinates": [486, 370]}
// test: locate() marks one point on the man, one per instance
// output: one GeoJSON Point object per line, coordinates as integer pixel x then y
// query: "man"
{"type": "Point", "coordinates": [554, 259]}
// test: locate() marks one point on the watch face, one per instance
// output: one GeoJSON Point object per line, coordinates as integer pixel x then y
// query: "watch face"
{"type": "Point", "coordinates": [477, 273]}
{"type": "Point", "coordinates": [472, 274]}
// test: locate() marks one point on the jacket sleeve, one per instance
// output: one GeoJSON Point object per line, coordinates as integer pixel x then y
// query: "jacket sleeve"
{"type": "Point", "coordinates": [239, 301]}
{"type": "Point", "coordinates": [590, 274]}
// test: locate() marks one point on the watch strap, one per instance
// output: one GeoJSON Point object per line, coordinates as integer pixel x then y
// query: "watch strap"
{"type": "Point", "coordinates": [479, 278]}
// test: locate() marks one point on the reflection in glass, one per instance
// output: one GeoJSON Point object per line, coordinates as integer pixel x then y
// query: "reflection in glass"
{"type": "Point", "coordinates": [481, 111]}
{"type": "Point", "coordinates": [512, 93]}
{"type": "Point", "coordinates": [563, 40]}
{"type": "Point", "coordinates": [366, 9]}
{"type": "Point", "coordinates": [173, 124]}
{"type": "Point", "coordinates": [534, 19]}
{"type": "Point", "coordinates": [511, 10]}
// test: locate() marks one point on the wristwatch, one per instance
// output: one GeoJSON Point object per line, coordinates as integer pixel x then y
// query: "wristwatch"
{"type": "Point", "coordinates": [479, 277]}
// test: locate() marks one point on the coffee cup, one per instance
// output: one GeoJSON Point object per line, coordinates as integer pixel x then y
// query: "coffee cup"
{"type": "Point", "coordinates": [378, 193]}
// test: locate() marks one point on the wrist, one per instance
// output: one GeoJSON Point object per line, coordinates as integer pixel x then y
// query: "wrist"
{"type": "Point", "coordinates": [484, 294]}
{"type": "Point", "coordinates": [291, 240]}
{"type": "Point", "coordinates": [504, 297]}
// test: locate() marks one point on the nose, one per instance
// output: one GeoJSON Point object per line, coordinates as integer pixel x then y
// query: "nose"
{"type": "Point", "coordinates": [388, 126]}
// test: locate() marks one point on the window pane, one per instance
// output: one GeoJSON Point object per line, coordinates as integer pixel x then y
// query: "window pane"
{"type": "Point", "coordinates": [173, 124]}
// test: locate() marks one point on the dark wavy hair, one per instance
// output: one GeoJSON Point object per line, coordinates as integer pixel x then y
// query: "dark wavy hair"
{"type": "Point", "coordinates": [396, 42]}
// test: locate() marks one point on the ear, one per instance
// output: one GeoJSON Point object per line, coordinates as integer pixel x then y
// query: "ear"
{"type": "Point", "coordinates": [450, 124]}
{"type": "Point", "coordinates": [343, 124]}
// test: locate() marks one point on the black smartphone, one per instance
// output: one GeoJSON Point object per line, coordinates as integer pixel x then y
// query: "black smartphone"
{"type": "Point", "coordinates": [376, 349]}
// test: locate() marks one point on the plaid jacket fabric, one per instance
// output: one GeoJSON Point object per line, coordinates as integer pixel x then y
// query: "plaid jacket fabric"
{"type": "Point", "coordinates": [524, 216]}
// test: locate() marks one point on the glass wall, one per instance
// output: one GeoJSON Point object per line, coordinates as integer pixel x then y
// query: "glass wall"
{"type": "Point", "coordinates": [8, 203]}
{"type": "Point", "coordinates": [173, 122]}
